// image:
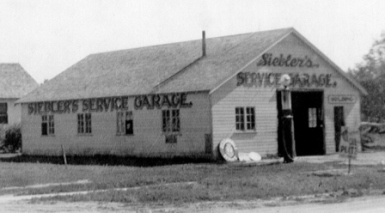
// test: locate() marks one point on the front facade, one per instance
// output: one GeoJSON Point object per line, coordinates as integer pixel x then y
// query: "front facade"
{"type": "Point", "coordinates": [190, 110]}
{"type": "Point", "coordinates": [322, 99]}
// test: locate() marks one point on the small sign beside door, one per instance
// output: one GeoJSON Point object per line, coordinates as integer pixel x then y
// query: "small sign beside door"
{"type": "Point", "coordinates": [349, 143]}
{"type": "Point", "coordinates": [342, 99]}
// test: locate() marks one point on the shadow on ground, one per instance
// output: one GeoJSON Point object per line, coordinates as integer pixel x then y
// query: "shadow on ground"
{"type": "Point", "coordinates": [105, 160]}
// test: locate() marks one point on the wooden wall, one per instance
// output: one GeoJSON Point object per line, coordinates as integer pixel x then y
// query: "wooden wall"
{"type": "Point", "coordinates": [148, 138]}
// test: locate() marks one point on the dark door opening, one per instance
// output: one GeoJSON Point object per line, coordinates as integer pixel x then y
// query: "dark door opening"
{"type": "Point", "coordinates": [308, 119]}
{"type": "Point", "coordinates": [339, 121]}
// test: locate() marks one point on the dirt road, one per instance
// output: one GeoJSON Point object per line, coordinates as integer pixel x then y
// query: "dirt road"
{"type": "Point", "coordinates": [371, 204]}
{"type": "Point", "coordinates": [362, 204]}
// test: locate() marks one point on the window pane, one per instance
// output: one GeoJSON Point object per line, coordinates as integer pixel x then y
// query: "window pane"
{"type": "Point", "coordinates": [164, 121]}
{"type": "Point", "coordinates": [129, 115]}
{"type": "Point", "coordinates": [166, 125]}
{"type": "Point", "coordinates": [44, 125]}
{"type": "Point", "coordinates": [88, 123]}
{"type": "Point", "coordinates": [44, 129]}
{"type": "Point", "coordinates": [119, 122]}
{"type": "Point", "coordinates": [128, 124]}
{"type": "Point", "coordinates": [3, 118]}
{"type": "Point", "coordinates": [312, 113]}
{"type": "Point", "coordinates": [3, 113]}
{"type": "Point", "coordinates": [250, 118]}
{"type": "Point", "coordinates": [3, 108]}
{"type": "Point", "coordinates": [239, 119]}
{"type": "Point", "coordinates": [80, 123]}
{"type": "Point", "coordinates": [51, 125]}
{"type": "Point", "coordinates": [129, 127]}
{"type": "Point", "coordinates": [175, 121]}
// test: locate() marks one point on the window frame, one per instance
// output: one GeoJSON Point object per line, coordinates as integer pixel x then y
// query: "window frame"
{"type": "Point", "coordinates": [312, 117]}
{"type": "Point", "coordinates": [239, 118]}
{"type": "Point", "coordinates": [245, 119]}
{"type": "Point", "coordinates": [84, 121]}
{"type": "Point", "coordinates": [250, 119]}
{"type": "Point", "coordinates": [4, 114]}
{"type": "Point", "coordinates": [122, 117]}
{"type": "Point", "coordinates": [171, 121]}
{"type": "Point", "coordinates": [47, 125]}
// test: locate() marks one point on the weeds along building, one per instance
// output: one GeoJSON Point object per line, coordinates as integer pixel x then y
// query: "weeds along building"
{"type": "Point", "coordinates": [184, 98]}
{"type": "Point", "coordinates": [15, 82]}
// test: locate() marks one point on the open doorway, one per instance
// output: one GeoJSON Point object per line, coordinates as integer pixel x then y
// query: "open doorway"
{"type": "Point", "coordinates": [339, 122]}
{"type": "Point", "coordinates": [308, 117]}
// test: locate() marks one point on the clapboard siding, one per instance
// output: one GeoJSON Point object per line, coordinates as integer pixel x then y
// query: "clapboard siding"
{"type": "Point", "coordinates": [226, 99]}
{"type": "Point", "coordinates": [264, 139]}
{"type": "Point", "coordinates": [148, 139]}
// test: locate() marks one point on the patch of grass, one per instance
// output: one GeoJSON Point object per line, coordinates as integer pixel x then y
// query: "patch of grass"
{"type": "Point", "coordinates": [213, 181]}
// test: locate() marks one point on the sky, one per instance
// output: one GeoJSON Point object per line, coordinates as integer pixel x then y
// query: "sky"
{"type": "Point", "coordinates": [47, 37]}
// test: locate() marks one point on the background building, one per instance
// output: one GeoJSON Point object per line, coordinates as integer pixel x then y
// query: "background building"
{"type": "Point", "coordinates": [184, 98]}
{"type": "Point", "coordinates": [15, 82]}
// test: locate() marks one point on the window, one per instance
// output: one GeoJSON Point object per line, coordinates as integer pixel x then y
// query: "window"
{"type": "Point", "coordinates": [47, 125]}
{"type": "Point", "coordinates": [250, 118]}
{"type": "Point", "coordinates": [3, 113]}
{"type": "Point", "coordinates": [312, 117]}
{"type": "Point", "coordinates": [84, 123]}
{"type": "Point", "coordinates": [245, 121]}
{"type": "Point", "coordinates": [239, 118]}
{"type": "Point", "coordinates": [171, 124]}
{"type": "Point", "coordinates": [175, 121]}
{"type": "Point", "coordinates": [125, 124]}
{"type": "Point", "coordinates": [170, 120]}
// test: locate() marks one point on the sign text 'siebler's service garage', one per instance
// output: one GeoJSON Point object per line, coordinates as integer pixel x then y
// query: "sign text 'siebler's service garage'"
{"type": "Point", "coordinates": [110, 104]}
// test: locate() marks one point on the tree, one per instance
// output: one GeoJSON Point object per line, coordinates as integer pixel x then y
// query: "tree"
{"type": "Point", "coordinates": [371, 74]}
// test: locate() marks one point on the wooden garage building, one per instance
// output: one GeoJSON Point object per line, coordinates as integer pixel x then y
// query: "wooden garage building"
{"type": "Point", "coordinates": [182, 99]}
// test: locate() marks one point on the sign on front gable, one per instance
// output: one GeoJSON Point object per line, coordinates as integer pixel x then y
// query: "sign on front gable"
{"type": "Point", "coordinates": [271, 79]}
{"type": "Point", "coordinates": [268, 59]}
{"type": "Point", "coordinates": [261, 79]}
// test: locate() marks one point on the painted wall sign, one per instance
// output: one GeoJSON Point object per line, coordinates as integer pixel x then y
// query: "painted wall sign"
{"type": "Point", "coordinates": [342, 99]}
{"type": "Point", "coordinates": [166, 100]}
{"type": "Point", "coordinates": [110, 104]}
{"type": "Point", "coordinates": [272, 80]}
{"type": "Point", "coordinates": [269, 59]}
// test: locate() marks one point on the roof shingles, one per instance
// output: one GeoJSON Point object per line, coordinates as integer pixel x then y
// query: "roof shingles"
{"type": "Point", "coordinates": [15, 82]}
{"type": "Point", "coordinates": [148, 69]}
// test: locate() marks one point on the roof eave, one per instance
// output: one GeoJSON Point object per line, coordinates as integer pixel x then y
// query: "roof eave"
{"type": "Point", "coordinates": [355, 84]}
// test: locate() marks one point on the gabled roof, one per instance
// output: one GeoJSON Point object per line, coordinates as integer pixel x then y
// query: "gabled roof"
{"type": "Point", "coordinates": [154, 69]}
{"type": "Point", "coordinates": [15, 82]}
{"type": "Point", "coordinates": [177, 67]}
